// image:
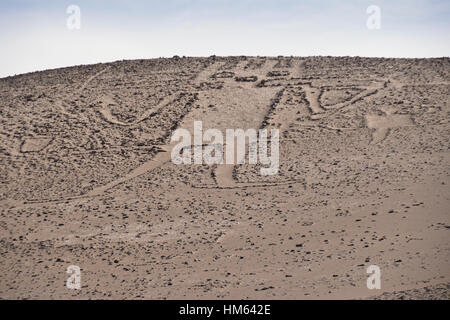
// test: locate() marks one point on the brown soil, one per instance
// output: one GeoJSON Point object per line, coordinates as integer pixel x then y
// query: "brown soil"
{"type": "Point", "coordinates": [86, 180]}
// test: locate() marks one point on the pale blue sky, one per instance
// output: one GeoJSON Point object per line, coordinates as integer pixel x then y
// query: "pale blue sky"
{"type": "Point", "coordinates": [34, 35]}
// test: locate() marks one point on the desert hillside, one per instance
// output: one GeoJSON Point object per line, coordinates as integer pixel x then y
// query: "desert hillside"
{"type": "Point", "coordinates": [86, 179]}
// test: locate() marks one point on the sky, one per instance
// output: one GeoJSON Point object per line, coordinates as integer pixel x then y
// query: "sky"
{"type": "Point", "coordinates": [34, 34]}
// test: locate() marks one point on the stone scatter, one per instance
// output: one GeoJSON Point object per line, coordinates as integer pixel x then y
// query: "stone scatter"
{"type": "Point", "coordinates": [86, 180]}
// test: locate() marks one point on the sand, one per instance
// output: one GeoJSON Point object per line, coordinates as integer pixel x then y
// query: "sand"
{"type": "Point", "coordinates": [86, 180]}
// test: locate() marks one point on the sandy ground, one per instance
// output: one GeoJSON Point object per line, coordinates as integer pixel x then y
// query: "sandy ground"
{"type": "Point", "coordinates": [86, 180]}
